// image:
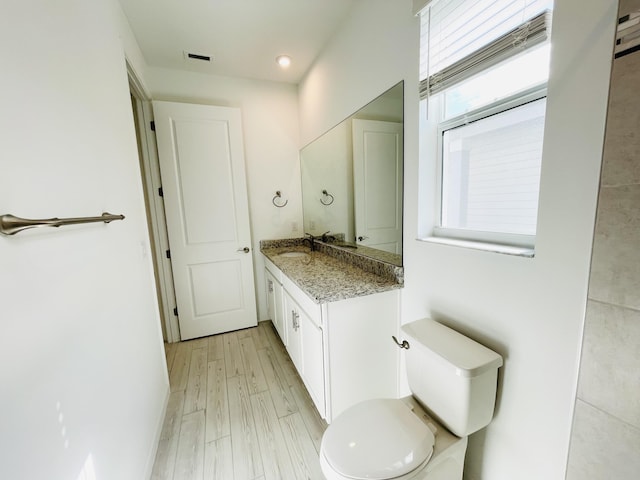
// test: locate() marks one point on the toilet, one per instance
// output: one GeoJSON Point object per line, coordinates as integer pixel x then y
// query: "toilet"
{"type": "Point", "coordinates": [453, 381]}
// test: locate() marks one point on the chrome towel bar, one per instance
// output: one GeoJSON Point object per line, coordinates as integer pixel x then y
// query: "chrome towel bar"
{"type": "Point", "coordinates": [10, 225]}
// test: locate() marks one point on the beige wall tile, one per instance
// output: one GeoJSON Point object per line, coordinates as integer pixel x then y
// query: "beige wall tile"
{"type": "Point", "coordinates": [602, 447]}
{"type": "Point", "coordinates": [609, 373]}
{"type": "Point", "coordinates": [615, 267]}
{"type": "Point", "coordinates": [621, 165]}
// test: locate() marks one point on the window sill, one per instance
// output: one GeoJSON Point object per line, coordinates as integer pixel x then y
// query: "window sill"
{"type": "Point", "coordinates": [484, 246]}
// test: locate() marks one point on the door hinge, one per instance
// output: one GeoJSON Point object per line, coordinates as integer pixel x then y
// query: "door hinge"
{"type": "Point", "coordinates": [152, 124]}
{"type": "Point", "coordinates": [175, 311]}
{"type": "Point", "coordinates": [160, 192]}
{"type": "Point", "coordinates": [168, 253]}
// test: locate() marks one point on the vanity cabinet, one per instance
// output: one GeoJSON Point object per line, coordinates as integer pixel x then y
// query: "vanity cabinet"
{"type": "Point", "coordinates": [342, 349]}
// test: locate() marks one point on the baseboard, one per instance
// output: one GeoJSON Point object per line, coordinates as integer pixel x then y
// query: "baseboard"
{"type": "Point", "coordinates": [159, 424]}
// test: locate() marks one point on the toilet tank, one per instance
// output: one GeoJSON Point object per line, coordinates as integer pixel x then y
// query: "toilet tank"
{"type": "Point", "coordinates": [452, 376]}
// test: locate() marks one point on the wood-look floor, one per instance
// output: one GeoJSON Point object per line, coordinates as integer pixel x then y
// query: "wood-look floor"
{"type": "Point", "coordinates": [237, 411]}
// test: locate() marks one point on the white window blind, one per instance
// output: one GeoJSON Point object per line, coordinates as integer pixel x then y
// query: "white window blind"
{"type": "Point", "coordinates": [459, 38]}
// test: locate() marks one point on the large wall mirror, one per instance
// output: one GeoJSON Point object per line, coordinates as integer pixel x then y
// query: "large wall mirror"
{"type": "Point", "coordinates": [352, 180]}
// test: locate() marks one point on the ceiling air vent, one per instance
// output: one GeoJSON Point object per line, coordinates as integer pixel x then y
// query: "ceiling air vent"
{"type": "Point", "coordinates": [197, 56]}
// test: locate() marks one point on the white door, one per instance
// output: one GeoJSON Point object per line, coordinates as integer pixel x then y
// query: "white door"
{"type": "Point", "coordinates": [201, 155]}
{"type": "Point", "coordinates": [377, 179]}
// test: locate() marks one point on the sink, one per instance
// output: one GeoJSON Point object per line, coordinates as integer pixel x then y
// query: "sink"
{"type": "Point", "coordinates": [293, 254]}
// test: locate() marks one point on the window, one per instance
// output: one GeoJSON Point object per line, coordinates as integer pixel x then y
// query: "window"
{"type": "Point", "coordinates": [491, 171]}
{"type": "Point", "coordinates": [484, 69]}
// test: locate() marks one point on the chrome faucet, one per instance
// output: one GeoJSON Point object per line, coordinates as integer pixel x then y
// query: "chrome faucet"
{"type": "Point", "coordinates": [311, 239]}
{"type": "Point", "coordinates": [328, 238]}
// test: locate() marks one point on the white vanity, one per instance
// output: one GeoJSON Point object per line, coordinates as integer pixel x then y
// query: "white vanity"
{"type": "Point", "coordinates": [336, 321]}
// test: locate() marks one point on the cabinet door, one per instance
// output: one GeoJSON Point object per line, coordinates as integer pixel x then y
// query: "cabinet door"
{"type": "Point", "coordinates": [292, 325]}
{"type": "Point", "coordinates": [279, 313]}
{"type": "Point", "coordinates": [306, 348]}
{"type": "Point", "coordinates": [313, 360]}
{"type": "Point", "coordinates": [270, 295]}
{"type": "Point", "coordinates": [274, 305]}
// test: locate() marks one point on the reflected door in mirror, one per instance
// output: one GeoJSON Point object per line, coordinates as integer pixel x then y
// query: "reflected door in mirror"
{"type": "Point", "coordinates": [377, 178]}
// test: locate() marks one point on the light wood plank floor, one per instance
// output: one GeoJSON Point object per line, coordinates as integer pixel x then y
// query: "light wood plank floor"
{"type": "Point", "coordinates": [237, 411]}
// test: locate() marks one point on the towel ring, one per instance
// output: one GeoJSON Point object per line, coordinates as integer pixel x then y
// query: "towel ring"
{"type": "Point", "coordinates": [325, 195]}
{"type": "Point", "coordinates": [279, 195]}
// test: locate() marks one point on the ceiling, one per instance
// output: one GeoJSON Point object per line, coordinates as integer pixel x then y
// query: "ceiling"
{"type": "Point", "coordinates": [242, 37]}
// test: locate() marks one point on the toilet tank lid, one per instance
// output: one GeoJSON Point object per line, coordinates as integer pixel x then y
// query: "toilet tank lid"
{"type": "Point", "coordinates": [467, 356]}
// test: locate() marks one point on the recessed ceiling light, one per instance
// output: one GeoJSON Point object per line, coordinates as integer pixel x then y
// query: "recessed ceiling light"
{"type": "Point", "coordinates": [283, 60]}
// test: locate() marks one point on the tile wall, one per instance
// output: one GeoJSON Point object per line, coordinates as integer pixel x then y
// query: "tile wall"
{"type": "Point", "coordinates": [605, 440]}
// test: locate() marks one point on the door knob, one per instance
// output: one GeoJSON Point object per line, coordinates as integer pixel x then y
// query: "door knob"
{"type": "Point", "coordinates": [362, 237]}
{"type": "Point", "coordinates": [245, 250]}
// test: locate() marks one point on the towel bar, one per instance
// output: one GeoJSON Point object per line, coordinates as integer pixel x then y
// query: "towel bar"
{"type": "Point", "coordinates": [325, 194]}
{"type": "Point", "coordinates": [279, 205]}
{"type": "Point", "coordinates": [10, 225]}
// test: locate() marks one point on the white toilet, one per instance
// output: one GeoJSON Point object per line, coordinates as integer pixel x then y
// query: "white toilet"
{"type": "Point", "coordinates": [423, 437]}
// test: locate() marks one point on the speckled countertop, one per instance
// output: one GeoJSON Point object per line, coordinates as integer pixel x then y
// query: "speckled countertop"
{"type": "Point", "coordinates": [325, 278]}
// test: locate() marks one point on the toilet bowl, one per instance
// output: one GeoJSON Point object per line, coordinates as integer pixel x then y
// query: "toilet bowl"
{"type": "Point", "coordinates": [435, 454]}
{"type": "Point", "coordinates": [423, 436]}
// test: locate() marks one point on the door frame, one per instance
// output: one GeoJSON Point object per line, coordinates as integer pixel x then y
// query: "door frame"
{"type": "Point", "coordinates": [150, 172]}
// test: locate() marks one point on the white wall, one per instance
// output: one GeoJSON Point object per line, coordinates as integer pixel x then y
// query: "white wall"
{"type": "Point", "coordinates": [339, 84]}
{"type": "Point", "coordinates": [134, 55]}
{"type": "Point", "coordinates": [529, 310]}
{"type": "Point", "coordinates": [271, 140]}
{"type": "Point", "coordinates": [82, 369]}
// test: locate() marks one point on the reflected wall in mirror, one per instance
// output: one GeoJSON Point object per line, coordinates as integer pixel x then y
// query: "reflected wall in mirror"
{"type": "Point", "coordinates": [352, 180]}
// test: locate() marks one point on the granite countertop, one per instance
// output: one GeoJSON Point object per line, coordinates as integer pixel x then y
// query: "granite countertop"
{"type": "Point", "coordinates": [327, 279]}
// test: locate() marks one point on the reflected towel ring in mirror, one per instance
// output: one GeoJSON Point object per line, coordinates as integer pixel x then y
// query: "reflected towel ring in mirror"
{"type": "Point", "coordinates": [325, 194]}
{"type": "Point", "coordinates": [279, 195]}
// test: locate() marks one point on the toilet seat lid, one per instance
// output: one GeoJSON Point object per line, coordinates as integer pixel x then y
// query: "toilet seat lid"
{"type": "Point", "coordinates": [377, 439]}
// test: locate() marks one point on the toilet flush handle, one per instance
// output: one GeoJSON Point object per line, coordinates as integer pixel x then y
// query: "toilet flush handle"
{"type": "Point", "coordinates": [404, 343]}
